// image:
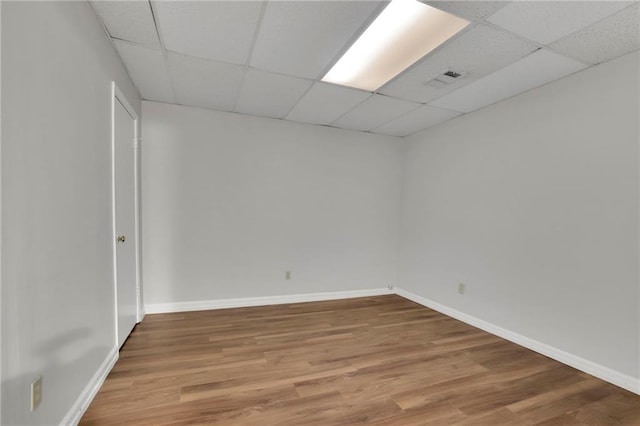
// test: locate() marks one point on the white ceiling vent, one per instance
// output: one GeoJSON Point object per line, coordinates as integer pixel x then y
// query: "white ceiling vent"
{"type": "Point", "coordinates": [444, 79]}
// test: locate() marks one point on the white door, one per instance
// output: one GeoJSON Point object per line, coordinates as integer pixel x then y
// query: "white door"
{"type": "Point", "coordinates": [124, 129]}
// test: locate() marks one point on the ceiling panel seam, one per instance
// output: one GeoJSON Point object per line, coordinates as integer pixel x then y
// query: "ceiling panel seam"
{"type": "Point", "coordinates": [111, 40]}
{"type": "Point", "coordinates": [396, 118]}
{"type": "Point", "coordinates": [165, 56]}
{"type": "Point", "coordinates": [256, 33]}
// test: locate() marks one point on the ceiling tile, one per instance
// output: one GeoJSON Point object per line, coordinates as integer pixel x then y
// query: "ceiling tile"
{"type": "Point", "coordinates": [548, 21]}
{"type": "Point", "coordinates": [418, 119]}
{"type": "Point", "coordinates": [474, 53]}
{"type": "Point", "coordinates": [218, 30]}
{"type": "Point", "coordinates": [203, 83]}
{"type": "Point", "coordinates": [147, 69]}
{"type": "Point", "coordinates": [374, 112]}
{"type": "Point", "coordinates": [324, 103]}
{"type": "Point", "coordinates": [270, 95]}
{"type": "Point", "coordinates": [608, 39]}
{"type": "Point", "coordinates": [302, 38]}
{"type": "Point", "coordinates": [128, 20]}
{"type": "Point", "coordinates": [535, 70]}
{"type": "Point", "coordinates": [470, 10]}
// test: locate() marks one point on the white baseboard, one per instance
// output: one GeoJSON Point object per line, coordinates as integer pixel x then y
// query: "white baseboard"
{"type": "Point", "coordinates": [624, 381]}
{"type": "Point", "coordinates": [158, 308]}
{"type": "Point", "coordinates": [82, 403]}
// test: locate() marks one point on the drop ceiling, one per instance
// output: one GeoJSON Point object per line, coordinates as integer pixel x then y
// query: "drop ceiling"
{"type": "Point", "coordinates": [266, 58]}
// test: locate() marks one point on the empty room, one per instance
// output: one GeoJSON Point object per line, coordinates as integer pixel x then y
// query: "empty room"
{"type": "Point", "coordinates": [403, 212]}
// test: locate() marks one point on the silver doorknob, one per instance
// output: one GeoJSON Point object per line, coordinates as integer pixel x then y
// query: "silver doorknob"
{"type": "Point", "coordinates": [121, 238]}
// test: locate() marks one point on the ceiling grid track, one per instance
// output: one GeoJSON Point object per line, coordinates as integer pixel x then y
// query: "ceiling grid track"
{"type": "Point", "coordinates": [291, 46]}
{"type": "Point", "coordinates": [256, 33]}
{"type": "Point", "coordinates": [165, 56]}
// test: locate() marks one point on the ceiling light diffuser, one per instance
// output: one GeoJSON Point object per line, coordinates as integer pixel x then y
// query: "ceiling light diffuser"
{"type": "Point", "coordinates": [404, 32]}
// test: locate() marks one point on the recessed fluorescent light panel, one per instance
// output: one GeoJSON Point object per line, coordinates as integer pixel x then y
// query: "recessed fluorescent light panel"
{"type": "Point", "coordinates": [404, 32]}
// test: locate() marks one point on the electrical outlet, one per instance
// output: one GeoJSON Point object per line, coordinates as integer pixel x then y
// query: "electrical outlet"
{"type": "Point", "coordinates": [461, 288]}
{"type": "Point", "coordinates": [36, 393]}
{"type": "Point", "coordinates": [287, 275]}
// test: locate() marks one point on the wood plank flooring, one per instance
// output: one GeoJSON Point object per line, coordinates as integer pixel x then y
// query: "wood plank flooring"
{"type": "Point", "coordinates": [376, 360]}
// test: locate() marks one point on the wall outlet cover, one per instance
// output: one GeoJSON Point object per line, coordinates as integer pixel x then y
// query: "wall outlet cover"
{"type": "Point", "coordinates": [36, 393]}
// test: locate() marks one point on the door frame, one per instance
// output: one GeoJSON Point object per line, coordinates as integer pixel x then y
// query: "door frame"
{"type": "Point", "coordinates": [118, 96]}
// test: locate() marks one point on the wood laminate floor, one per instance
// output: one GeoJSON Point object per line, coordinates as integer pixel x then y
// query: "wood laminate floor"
{"type": "Point", "coordinates": [376, 360]}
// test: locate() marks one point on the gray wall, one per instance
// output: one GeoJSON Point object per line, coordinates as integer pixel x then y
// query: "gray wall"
{"type": "Point", "coordinates": [57, 277]}
{"type": "Point", "coordinates": [231, 202]}
{"type": "Point", "coordinates": [533, 204]}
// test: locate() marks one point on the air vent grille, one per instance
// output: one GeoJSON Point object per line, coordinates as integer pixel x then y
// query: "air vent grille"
{"type": "Point", "coordinates": [444, 79]}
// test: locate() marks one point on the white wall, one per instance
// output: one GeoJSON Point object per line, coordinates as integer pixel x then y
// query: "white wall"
{"type": "Point", "coordinates": [533, 204]}
{"type": "Point", "coordinates": [231, 202]}
{"type": "Point", "coordinates": [57, 279]}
